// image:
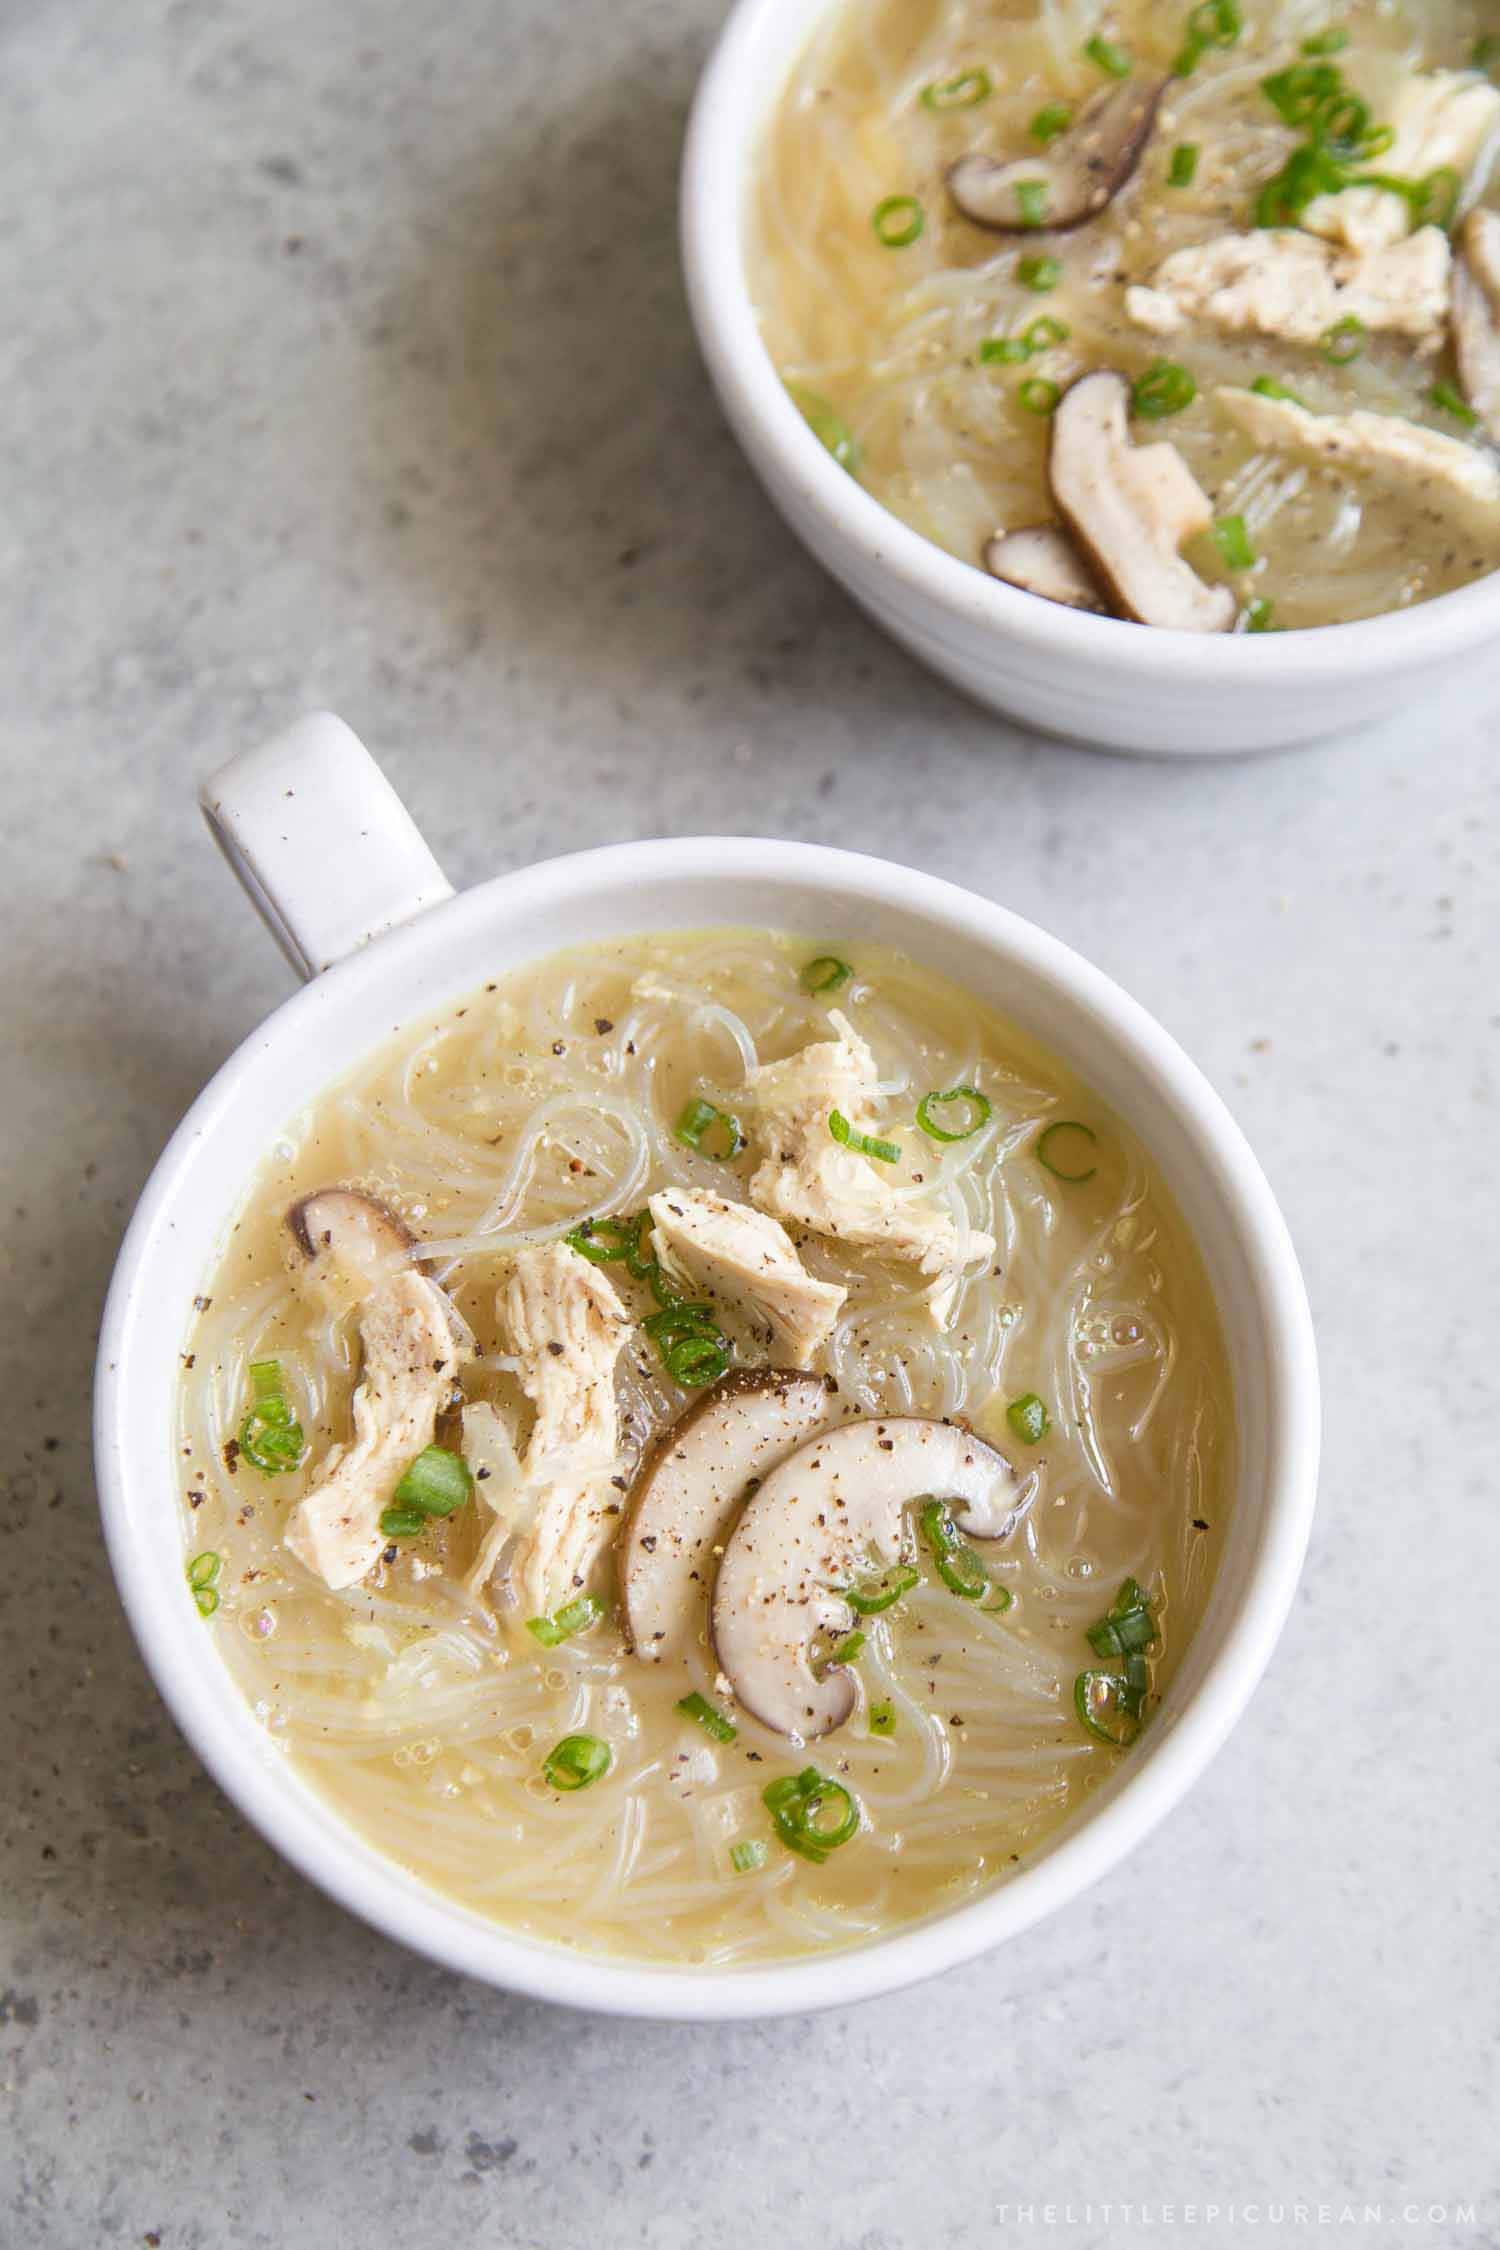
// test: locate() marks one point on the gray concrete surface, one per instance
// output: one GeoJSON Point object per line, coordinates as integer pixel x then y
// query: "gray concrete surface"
{"type": "Point", "coordinates": [345, 363]}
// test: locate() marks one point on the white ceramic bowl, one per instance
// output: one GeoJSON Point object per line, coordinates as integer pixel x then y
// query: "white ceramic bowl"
{"type": "Point", "coordinates": [330, 856]}
{"type": "Point", "coordinates": [1122, 686]}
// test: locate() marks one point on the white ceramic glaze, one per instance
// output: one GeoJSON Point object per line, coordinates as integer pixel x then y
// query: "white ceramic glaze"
{"type": "Point", "coordinates": [445, 950]}
{"type": "Point", "coordinates": [1120, 686]}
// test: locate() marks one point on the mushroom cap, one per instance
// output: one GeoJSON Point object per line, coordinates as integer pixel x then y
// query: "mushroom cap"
{"type": "Point", "coordinates": [1129, 508]}
{"type": "Point", "coordinates": [689, 1487]}
{"type": "Point", "coordinates": [1083, 170]}
{"type": "Point", "coordinates": [811, 1530]}
{"type": "Point", "coordinates": [347, 1237]}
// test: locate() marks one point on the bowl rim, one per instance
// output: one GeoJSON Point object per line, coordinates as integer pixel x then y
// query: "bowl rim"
{"type": "Point", "coordinates": [314, 1837]}
{"type": "Point", "coordinates": [728, 113]}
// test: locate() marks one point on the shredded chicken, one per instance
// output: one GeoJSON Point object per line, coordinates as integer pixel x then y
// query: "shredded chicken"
{"type": "Point", "coordinates": [567, 1326]}
{"type": "Point", "coordinates": [412, 1352]}
{"type": "Point", "coordinates": [808, 1179]}
{"type": "Point", "coordinates": [1386, 445]}
{"type": "Point", "coordinates": [1442, 120]}
{"type": "Point", "coordinates": [1288, 284]}
{"type": "Point", "coordinates": [745, 1259]}
{"type": "Point", "coordinates": [1476, 317]}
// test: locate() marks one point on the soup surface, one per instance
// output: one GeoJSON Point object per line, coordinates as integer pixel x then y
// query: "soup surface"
{"type": "Point", "coordinates": [1323, 356]}
{"type": "Point", "coordinates": [1063, 1338]}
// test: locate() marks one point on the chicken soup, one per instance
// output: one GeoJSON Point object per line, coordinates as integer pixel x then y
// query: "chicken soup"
{"type": "Point", "coordinates": [1189, 316]}
{"type": "Point", "coordinates": [709, 1449]}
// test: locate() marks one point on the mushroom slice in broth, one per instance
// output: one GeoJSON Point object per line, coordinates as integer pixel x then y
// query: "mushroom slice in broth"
{"type": "Point", "coordinates": [813, 1527]}
{"type": "Point", "coordinates": [688, 1490]}
{"type": "Point", "coordinates": [1130, 508]}
{"type": "Point", "coordinates": [1042, 560]}
{"type": "Point", "coordinates": [1076, 179]}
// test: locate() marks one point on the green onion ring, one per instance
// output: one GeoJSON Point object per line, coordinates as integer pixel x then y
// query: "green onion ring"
{"type": "Point", "coordinates": [982, 1112]}
{"type": "Point", "coordinates": [1059, 1171]}
{"type": "Point", "coordinates": [576, 1762]}
{"type": "Point", "coordinates": [863, 1144]}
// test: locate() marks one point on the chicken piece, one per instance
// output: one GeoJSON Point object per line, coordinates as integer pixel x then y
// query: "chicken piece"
{"type": "Point", "coordinates": [807, 1178]}
{"type": "Point", "coordinates": [567, 1326]}
{"type": "Point", "coordinates": [745, 1260]}
{"type": "Point", "coordinates": [1476, 317]}
{"type": "Point", "coordinates": [1288, 284]}
{"type": "Point", "coordinates": [1441, 121]}
{"type": "Point", "coordinates": [350, 1253]}
{"type": "Point", "coordinates": [1385, 445]}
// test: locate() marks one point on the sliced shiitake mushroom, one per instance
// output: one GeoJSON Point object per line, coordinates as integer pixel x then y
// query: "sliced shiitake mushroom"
{"type": "Point", "coordinates": [689, 1488]}
{"type": "Point", "coordinates": [1043, 560]}
{"type": "Point", "coordinates": [1130, 508]}
{"type": "Point", "coordinates": [1072, 181]}
{"type": "Point", "coordinates": [1476, 316]}
{"type": "Point", "coordinates": [813, 1528]}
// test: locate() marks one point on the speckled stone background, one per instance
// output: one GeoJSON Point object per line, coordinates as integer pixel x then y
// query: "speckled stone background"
{"type": "Point", "coordinates": [346, 363]}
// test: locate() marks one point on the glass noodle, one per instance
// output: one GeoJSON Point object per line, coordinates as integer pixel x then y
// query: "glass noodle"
{"type": "Point", "coordinates": [426, 1719]}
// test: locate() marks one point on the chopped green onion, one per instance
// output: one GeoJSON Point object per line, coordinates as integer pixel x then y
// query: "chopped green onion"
{"type": "Point", "coordinates": [1298, 93]}
{"type": "Point", "coordinates": [1127, 1628]}
{"type": "Point", "coordinates": [403, 1523]}
{"type": "Point", "coordinates": [270, 1436]}
{"type": "Point", "coordinates": [1046, 1150]}
{"type": "Point", "coordinates": [696, 1361]}
{"type": "Point", "coordinates": [1049, 122]}
{"type": "Point", "coordinates": [979, 1112]}
{"type": "Point", "coordinates": [1164, 389]}
{"type": "Point", "coordinates": [1183, 169]}
{"type": "Point", "coordinates": [747, 1856]}
{"type": "Point", "coordinates": [1114, 61]}
{"type": "Point", "coordinates": [863, 1144]}
{"type": "Point", "coordinates": [1103, 1701]}
{"type": "Point", "coordinates": [827, 426]}
{"type": "Point", "coordinates": [882, 1718]}
{"type": "Point", "coordinates": [676, 1320]}
{"type": "Point", "coordinates": [846, 1650]}
{"type": "Point", "coordinates": [872, 1595]}
{"type": "Point", "coordinates": [962, 92]}
{"type": "Point", "coordinates": [708, 1716]}
{"type": "Point", "coordinates": [1344, 341]}
{"type": "Point", "coordinates": [1003, 1599]}
{"type": "Point", "coordinates": [1214, 23]}
{"type": "Point", "coordinates": [801, 1804]}
{"type": "Point", "coordinates": [1267, 386]}
{"type": "Point", "coordinates": [604, 1241]}
{"type": "Point", "coordinates": [1444, 396]}
{"type": "Point", "coordinates": [1258, 616]}
{"type": "Point", "coordinates": [1307, 173]}
{"type": "Point", "coordinates": [1331, 42]}
{"type": "Point", "coordinates": [1029, 1419]}
{"type": "Point", "coordinates": [202, 1577]}
{"type": "Point", "coordinates": [958, 1566]}
{"type": "Point", "coordinates": [1039, 395]}
{"type": "Point", "coordinates": [1234, 542]}
{"type": "Point", "coordinates": [1044, 332]}
{"type": "Point", "coordinates": [1008, 351]}
{"type": "Point", "coordinates": [1486, 53]}
{"type": "Point", "coordinates": [825, 974]}
{"type": "Point", "coordinates": [898, 221]}
{"type": "Point", "coordinates": [1031, 202]}
{"type": "Point", "coordinates": [700, 1118]}
{"type": "Point", "coordinates": [437, 1482]}
{"type": "Point", "coordinates": [576, 1761]}
{"type": "Point", "coordinates": [574, 1617]}
{"type": "Point", "coordinates": [1040, 274]}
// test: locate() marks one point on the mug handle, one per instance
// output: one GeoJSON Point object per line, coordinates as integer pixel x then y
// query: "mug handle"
{"type": "Point", "coordinates": [327, 853]}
